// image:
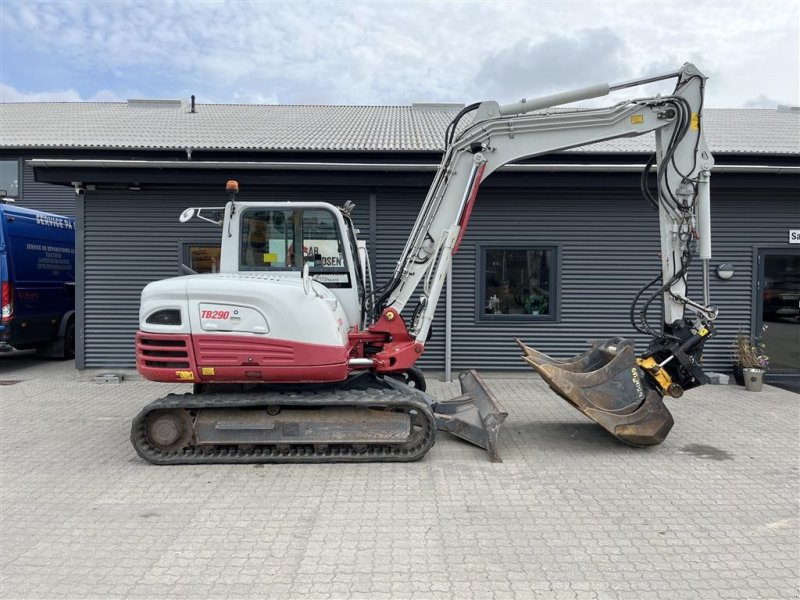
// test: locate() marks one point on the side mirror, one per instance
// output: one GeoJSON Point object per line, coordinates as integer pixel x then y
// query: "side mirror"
{"type": "Point", "coordinates": [186, 215]}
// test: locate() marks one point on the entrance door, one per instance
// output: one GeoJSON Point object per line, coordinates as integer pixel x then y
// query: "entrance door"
{"type": "Point", "coordinates": [779, 309]}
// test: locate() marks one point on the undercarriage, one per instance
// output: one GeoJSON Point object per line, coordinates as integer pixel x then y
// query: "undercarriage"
{"type": "Point", "coordinates": [366, 419]}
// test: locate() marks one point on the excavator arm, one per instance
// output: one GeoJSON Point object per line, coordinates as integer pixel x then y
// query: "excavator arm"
{"type": "Point", "coordinates": [608, 383]}
{"type": "Point", "coordinates": [500, 135]}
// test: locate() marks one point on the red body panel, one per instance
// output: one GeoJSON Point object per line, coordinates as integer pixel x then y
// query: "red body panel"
{"type": "Point", "coordinates": [399, 350]}
{"type": "Point", "coordinates": [216, 357]}
{"type": "Point", "coordinates": [231, 358]}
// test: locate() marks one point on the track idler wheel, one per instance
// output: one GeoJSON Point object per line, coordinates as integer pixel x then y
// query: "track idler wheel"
{"type": "Point", "coordinates": [606, 385]}
{"type": "Point", "coordinates": [169, 430]}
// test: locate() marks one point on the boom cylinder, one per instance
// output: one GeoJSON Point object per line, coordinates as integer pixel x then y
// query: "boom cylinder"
{"type": "Point", "coordinates": [704, 231]}
{"type": "Point", "coordinates": [593, 91]}
{"type": "Point", "coordinates": [704, 215]}
{"type": "Point", "coordinates": [525, 106]}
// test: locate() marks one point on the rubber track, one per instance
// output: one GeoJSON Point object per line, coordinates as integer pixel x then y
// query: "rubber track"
{"type": "Point", "coordinates": [301, 453]}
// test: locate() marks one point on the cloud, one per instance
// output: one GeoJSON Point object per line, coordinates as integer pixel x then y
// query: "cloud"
{"type": "Point", "coordinates": [761, 101]}
{"type": "Point", "coordinates": [557, 62]}
{"type": "Point", "coordinates": [110, 96]}
{"type": "Point", "coordinates": [390, 53]}
{"type": "Point", "coordinates": [10, 94]}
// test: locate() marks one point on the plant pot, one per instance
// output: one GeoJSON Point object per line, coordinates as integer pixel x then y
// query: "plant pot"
{"type": "Point", "coordinates": [753, 379]}
{"type": "Point", "coordinates": [738, 374]}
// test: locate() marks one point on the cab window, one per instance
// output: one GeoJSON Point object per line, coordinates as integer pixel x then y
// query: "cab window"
{"type": "Point", "coordinates": [287, 239]}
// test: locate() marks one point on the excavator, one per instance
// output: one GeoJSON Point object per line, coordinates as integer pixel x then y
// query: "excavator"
{"type": "Point", "coordinates": [295, 357]}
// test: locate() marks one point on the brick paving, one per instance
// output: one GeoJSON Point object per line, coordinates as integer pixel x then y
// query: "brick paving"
{"type": "Point", "coordinates": [571, 513]}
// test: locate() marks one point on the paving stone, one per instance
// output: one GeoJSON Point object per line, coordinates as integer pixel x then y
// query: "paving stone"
{"type": "Point", "coordinates": [570, 513]}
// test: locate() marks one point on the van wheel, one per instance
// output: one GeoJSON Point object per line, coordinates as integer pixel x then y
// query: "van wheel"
{"type": "Point", "coordinates": [69, 341]}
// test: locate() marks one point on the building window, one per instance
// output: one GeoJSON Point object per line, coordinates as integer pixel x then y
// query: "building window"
{"type": "Point", "coordinates": [9, 178]}
{"type": "Point", "coordinates": [202, 258]}
{"type": "Point", "coordinates": [517, 283]}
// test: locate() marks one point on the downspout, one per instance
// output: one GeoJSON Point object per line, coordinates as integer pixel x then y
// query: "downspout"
{"type": "Point", "coordinates": [448, 324]}
{"type": "Point", "coordinates": [80, 281]}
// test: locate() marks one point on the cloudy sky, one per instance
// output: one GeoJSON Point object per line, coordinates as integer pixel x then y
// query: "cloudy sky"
{"type": "Point", "coordinates": [390, 53]}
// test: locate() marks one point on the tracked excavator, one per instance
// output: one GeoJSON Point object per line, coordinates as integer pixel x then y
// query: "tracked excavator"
{"type": "Point", "coordinates": [294, 356]}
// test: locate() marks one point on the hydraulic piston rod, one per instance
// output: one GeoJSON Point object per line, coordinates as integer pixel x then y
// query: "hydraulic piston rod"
{"type": "Point", "coordinates": [593, 91]}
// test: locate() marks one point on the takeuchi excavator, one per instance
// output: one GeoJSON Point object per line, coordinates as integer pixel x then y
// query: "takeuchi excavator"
{"type": "Point", "coordinates": [294, 356]}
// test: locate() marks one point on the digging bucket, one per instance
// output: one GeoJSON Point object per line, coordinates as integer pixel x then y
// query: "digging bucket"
{"type": "Point", "coordinates": [607, 385]}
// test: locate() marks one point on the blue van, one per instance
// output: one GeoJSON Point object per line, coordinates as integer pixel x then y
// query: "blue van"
{"type": "Point", "coordinates": [37, 280]}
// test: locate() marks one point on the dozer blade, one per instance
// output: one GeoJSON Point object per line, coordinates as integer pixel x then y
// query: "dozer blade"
{"type": "Point", "coordinates": [606, 385]}
{"type": "Point", "coordinates": [474, 416]}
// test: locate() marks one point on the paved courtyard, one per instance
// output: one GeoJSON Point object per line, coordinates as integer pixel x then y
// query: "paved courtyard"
{"type": "Point", "coordinates": [571, 513]}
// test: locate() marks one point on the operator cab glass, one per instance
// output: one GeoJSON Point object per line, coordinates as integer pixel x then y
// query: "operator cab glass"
{"type": "Point", "coordinates": [288, 239]}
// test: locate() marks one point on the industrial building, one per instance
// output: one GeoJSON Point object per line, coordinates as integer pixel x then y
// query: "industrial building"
{"type": "Point", "coordinates": [556, 249]}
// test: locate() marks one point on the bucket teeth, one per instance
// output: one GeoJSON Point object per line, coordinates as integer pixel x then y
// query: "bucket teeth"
{"type": "Point", "coordinates": [606, 385]}
{"type": "Point", "coordinates": [586, 360]}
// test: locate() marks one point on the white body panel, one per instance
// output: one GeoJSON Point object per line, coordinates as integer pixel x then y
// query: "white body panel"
{"type": "Point", "coordinates": [248, 304]}
{"type": "Point", "coordinates": [231, 237]}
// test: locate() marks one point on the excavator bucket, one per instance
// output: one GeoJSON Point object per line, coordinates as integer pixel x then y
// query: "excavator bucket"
{"type": "Point", "coordinates": [607, 385]}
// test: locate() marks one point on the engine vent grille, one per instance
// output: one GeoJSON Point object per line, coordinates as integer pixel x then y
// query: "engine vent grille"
{"type": "Point", "coordinates": [163, 353]}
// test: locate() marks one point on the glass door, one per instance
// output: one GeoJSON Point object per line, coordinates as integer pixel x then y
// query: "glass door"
{"type": "Point", "coordinates": [778, 310]}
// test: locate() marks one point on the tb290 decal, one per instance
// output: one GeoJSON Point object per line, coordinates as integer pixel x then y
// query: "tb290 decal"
{"type": "Point", "coordinates": [215, 314]}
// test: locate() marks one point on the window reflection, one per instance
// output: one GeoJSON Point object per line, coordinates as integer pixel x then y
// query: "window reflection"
{"type": "Point", "coordinates": [289, 239]}
{"type": "Point", "coordinates": [517, 282]}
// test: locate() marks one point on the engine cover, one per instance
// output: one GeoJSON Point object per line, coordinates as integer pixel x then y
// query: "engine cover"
{"type": "Point", "coordinates": [242, 327]}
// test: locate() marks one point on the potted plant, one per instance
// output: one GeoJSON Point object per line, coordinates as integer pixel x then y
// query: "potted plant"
{"type": "Point", "coordinates": [536, 304]}
{"type": "Point", "coordinates": [750, 360]}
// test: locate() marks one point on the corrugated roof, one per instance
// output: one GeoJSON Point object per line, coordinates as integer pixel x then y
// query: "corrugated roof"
{"type": "Point", "coordinates": [322, 128]}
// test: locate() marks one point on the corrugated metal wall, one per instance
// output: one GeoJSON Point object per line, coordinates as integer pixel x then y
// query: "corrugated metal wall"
{"type": "Point", "coordinates": [606, 244]}
{"type": "Point", "coordinates": [395, 215]}
{"type": "Point", "coordinates": [57, 199]}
